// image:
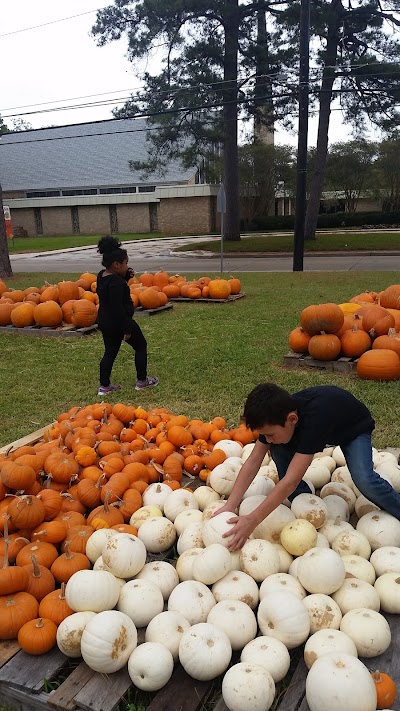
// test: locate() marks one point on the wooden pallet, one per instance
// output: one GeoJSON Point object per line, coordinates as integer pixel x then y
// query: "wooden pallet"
{"type": "Point", "coordinates": [140, 311]}
{"type": "Point", "coordinates": [203, 300]}
{"type": "Point", "coordinates": [67, 329]}
{"type": "Point", "coordinates": [302, 360]}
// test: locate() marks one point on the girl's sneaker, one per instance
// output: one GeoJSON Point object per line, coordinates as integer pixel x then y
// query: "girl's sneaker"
{"type": "Point", "coordinates": [148, 383]}
{"type": "Point", "coordinates": [107, 389]}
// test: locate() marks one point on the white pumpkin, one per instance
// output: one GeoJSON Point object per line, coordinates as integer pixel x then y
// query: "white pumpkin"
{"type": "Point", "coordinates": [380, 528]}
{"type": "Point", "coordinates": [248, 687]}
{"type": "Point", "coordinates": [388, 588]}
{"type": "Point", "coordinates": [230, 447]}
{"type": "Point", "coordinates": [155, 495]}
{"type": "Point", "coordinates": [260, 485]}
{"type": "Point", "coordinates": [107, 641]}
{"type": "Point", "coordinates": [269, 471]}
{"type": "Point", "coordinates": [390, 472]}
{"type": "Point", "coordinates": [283, 616]}
{"type": "Point", "coordinates": [167, 628]}
{"type": "Point", "coordinates": [326, 452]}
{"type": "Point", "coordinates": [250, 503]}
{"type": "Point", "coordinates": [322, 541]}
{"type": "Point", "coordinates": [340, 681]}
{"type": "Point", "coordinates": [285, 558]}
{"type": "Point", "coordinates": [236, 619]}
{"type": "Point", "coordinates": [223, 476]}
{"type": "Point", "coordinates": [100, 565]}
{"type": "Point", "coordinates": [94, 590]}
{"type": "Point", "coordinates": [342, 490]}
{"type": "Point", "coordinates": [369, 631]}
{"type": "Point", "coordinates": [193, 600]}
{"type": "Point", "coordinates": [297, 537]}
{"type": "Point", "coordinates": [150, 666]}
{"type": "Point", "coordinates": [358, 567]}
{"type": "Point", "coordinates": [143, 514]}
{"type": "Point", "coordinates": [339, 457]}
{"type": "Point", "coordinates": [70, 631]}
{"type": "Point", "coordinates": [293, 568]}
{"type": "Point", "coordinates": [342, 476]}
{"type": "Point", "coordinates": [96, 543]}
{"type": "Point", "coordinates": [177, 501]}
{"type": "Point", "coordinates": [191, 537]}
{"type": "Point", "coordinates": [332, 527]}
{"type": "Point", "coordinates": [321, 570]}
{"type": "Point", "coordinates": [186, 517]}
{"type": "Point", "coordinates": [379, 457]}
{"type": "Point", "coordinates": [204, 495]}
{"type": "Point", "coordinates": [354, 594]}
{"type": "Point", "coordinates": [259, 559]}
{"type": "Point", "coordinates": [282, 581]}
{"type": "Point", "coordinates": [270, 528]}
{"type": "Point", "coordinates": [364, 506]}
{"type": "Point", "coordinates": [212, 507]}
{"type": "Point", "coordinates": [141, 600]}
{"type": "Point", "coordinates": [318, 473]}
{"type": "Point", "coordinates": [204, 651]}
{"type": "Point", "coordinates": [386, 560]}
{"type": "Point", "coordinates": [237, 585]}
{"type": "Point", "coordinates": [327, 640]}
{"type": "Point", "coordinates": [269, 653]}
{"type": "Point", "coordinates": [162, 574]}
{"type": "Point", "coordinates": [184, 564]}
{"type": "Point", "coordinates": [212, 564]}
{"type": "Point", "coordinates": [351, 543]}
{"type": "Point", "coordinates": [337, 507]}
{"type": "Point", "coordinates": [324, 612]}
{"type": "Point", "coordinates": [235, 560]}
{"type": "Point", "coordinates": [214, 528]}
{"type": "Point", "coordinates": [157, 533]}
{"type": "Point", "coordinates": [310, 507]}
{"type": "Point", "coordinates": [125, 555]}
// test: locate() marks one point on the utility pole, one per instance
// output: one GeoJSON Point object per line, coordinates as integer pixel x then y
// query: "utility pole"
{"type": "Point", "coordinates": [302, 145]}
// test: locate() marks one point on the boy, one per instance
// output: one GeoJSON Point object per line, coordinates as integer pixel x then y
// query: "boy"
{"type": "Point", "coordinates": [293, 428]}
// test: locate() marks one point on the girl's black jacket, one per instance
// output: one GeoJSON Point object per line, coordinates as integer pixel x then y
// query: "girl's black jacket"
{"type": "Point", "coordinates": [115, 304]}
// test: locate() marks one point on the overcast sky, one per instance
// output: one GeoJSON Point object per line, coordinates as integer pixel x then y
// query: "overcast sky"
{"type": "Point", "coordinates": [60, 63]}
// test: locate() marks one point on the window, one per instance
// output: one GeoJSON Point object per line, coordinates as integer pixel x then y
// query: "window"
{"type": "Point", "coordinates": [109, 191]}
{"type": "Point", "coordinates": [75, 220]}
{"type": "Point", "coordinates": [129, 189]}
{"type": "Point", "coordinates": [147, 188]}
{"type": "Point", "coordinates": [85, 191]}
{"type": "Point", "coordinates": [38, 220]}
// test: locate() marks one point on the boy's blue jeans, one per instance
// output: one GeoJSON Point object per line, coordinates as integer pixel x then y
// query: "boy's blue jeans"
{"type": "Point", "coordinates": [358, 454]}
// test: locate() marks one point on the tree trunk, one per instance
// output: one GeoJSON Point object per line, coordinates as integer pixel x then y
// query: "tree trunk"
{"type": "Point", "coordinates": [5, 265]}
{"type": "Point", "coordinates": [231, 153]}
{"type": "Point", "coordinates": [328, 79]}
{"type": "Point", "coordinates": [264, 108]}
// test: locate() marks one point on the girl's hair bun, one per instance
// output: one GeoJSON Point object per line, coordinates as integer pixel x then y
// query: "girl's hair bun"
{"type": "Point", "coordinates": [108, 244]}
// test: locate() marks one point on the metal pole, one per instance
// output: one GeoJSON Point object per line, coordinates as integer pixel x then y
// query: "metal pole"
{"type": "Point", "coordinates": [222, 242]}
{"type": "Point", "coordinates": [301, 183]}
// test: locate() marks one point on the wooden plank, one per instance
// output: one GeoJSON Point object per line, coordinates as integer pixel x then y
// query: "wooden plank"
{"type": "Point", "coordinates": [203, 299]}
{"type": "Point", "coordinates": [292, 359]}
{"type": "Point", "coordinates": [8, 649]}
{"type": "Point", "coordinates": [102, 692]}
{"type": "Point", "coordinates": [302, 360]}
{"type": "Point", "coordinates": [29, 439]}
{"type": "Point", "coordinates": [52, 332]}
{"type": "Point", "coordinates": [20, 699]}
{"type": "Point", "coordinates": [345, 365]}
{"type": "Point", "coordinates": [292, 698]}
{"type": "Point", "coordinates": [28, 673]}
{"type": "Point", "coordinates": [139, 311]}
{"type": "Point", "coordinates": [181, 693]}
{"type": "Point", "coordinates": [63, 697]}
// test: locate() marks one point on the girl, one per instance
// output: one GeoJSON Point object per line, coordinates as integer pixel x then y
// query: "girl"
{"type": "Point", "coordinates": [115, 316]}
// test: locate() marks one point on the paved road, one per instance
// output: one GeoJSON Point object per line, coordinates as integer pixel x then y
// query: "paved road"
{"type": "Point", "coordinates": [150, 255]}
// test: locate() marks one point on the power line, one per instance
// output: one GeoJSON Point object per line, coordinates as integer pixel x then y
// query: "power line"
{"type": "Point", "coordinates": [51, 22]}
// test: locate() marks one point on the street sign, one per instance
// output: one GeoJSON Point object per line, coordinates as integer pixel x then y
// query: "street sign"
{"type": "Point", "coordinates": [221, 208]}
{"type": "Point", "coordinates": [7, 218]}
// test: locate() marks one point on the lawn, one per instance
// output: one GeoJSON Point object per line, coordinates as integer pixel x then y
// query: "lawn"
{"type": "Point", "coordinates": [324, 242]}
{"type": "Point", "coordinates": [207, 356]}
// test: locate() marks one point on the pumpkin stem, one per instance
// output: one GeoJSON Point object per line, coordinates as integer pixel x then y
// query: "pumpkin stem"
{"type": "Point", "coordinates": [157, 467]}
{"type": "Point", "coordinates": [392, 332]}
{"type": "Point", "coordinates": [106, 500]}
{"type": "Point", "coordinates": [68, 496]}
{"type": "Point", "coordinates": [22, 538]}
{"type": "Point", "coordinates": [39, 623]}
{"type": "Point", "coordinates": [98, 484]}
{"type": "Point", "coordinates": [68, 554]}
{"type": "Point", "coordinates": [36, 567]}
{"type": "Point", "coordinates": [376, 675]}
{"type": "Point", "coordinates": [62, 591]}
{"type": "Point", "coordinates": [5, 559]}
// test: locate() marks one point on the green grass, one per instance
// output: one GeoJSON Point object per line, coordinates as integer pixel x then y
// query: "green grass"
{"type": "Point", "coordinates": [208, 356]}
{"type": "Point", "coordinates": [324, 242]}
{"type": "Point", "coordinates": [45, 244]}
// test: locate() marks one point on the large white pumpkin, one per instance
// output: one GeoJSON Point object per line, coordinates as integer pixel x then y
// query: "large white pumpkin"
{"type": "Point", "coordinates": [97, 541]}
{"type": "Point", "coordinates": [310, 507]}
{"type": "Point", "coordinates": [364, 506]}
{"type": "Point", "coordinates": [332, 527]}
{"type": "Point", "coordinates": [380, 528]}
{"type": "Point", "coordinates": [369, 631]}
{"type": "Point", "coordinates": [358, 567]}
{"type": "Point", "coordinates": [386, 560]}
{"type": "Point", "coordinates": [143, 514]}
{"type": "Point", "coordinates": [184, 564]}
{"type": "Point", "coordinates": [167, 628]}
{"type": "Point", "coordinates": [191, 537]}
{"type": "Point", "coordinates": [327, 640]}
{"type": "Point", "coordinates": [161, 573]}
{"type": "Point", "coordinates": [193, 599]}
{"type": "Point", "coordinates": [204, 651]}
{"type": "Point", "coordinates": [237, 585]}
{"type": "Point", "coordinates": [324, 612]}
{"type": "Point", "coordinates": [141, 600]}
{"type": "Point", "coordinates": [284, 616]}
{"type": "Point", "coordinates": [339, 489]}
{"type": "Point", "coordinates": [337, 507]}
{"type": "Point", "coordinates": [186, 517]}
{"type": "Point", "coordinates": [318, 473]}
{"type": "Point", "coordinates": [150, 666]}
{"type": "Point", "coordinates": [351, 543]}
{"type": "Point", "coordinates": [70, 631]}
{"type": "Point", "coordinates": [282, 581]}
{"type": "Point", "coordinates": [215, 527]}
{"type": "Point", "coordinates": [94, 590]}
{"type": "Point", "coordinates": [340, 681]}
{"type": "Point", "coordinates": [259, 559]}
{"type": "Point", "coordinates": [321, 570]}
{"type": "Point", "coordinates": [125, 555]}
{"type": "Point", "coordinates": [204, 495]}
{"type": "Point", "coordinates": [177, 501]}
{"type": "Point", "coordinates": [230, 447]}
{"type": "Point", "coordinates": [388, 588]}
{"type": "Point", "coordinates": [285, 559]}
{"type": "Point", "coordinates": [236, 619]}
{"type": "Point", "coordinates": [248, 687]}
{"type": "Point", "coordinates": [212, 564]}
{"type": "Point", "coordinates": [270, 528]}
{"type": "Point", "coordinates": [107, 641]}
{"type": "Point", "coordinates": [270, 653]}
{"type": "Point", "coordinates": [155, 495]}
{"type": "Point", "coordinates": [260, 485]}
{"type": "Point", "coordinates": [223, 476]}
{"type": "Point", "coordinates": [157, 533]}
{"type": "Point", "coordinates": [250, 503]}
{"type": "Point", "coordinates": [354, 593]}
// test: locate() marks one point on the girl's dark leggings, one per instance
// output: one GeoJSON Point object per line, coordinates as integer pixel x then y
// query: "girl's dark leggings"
{"type": "Point", "coordinates": [112, 344]}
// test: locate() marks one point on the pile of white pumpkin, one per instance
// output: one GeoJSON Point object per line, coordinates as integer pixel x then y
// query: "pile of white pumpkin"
{"type": "Point", "coordinates": [306, 575]}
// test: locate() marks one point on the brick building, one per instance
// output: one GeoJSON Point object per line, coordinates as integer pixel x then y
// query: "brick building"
{"type": "Point", "coordinates": [77, 180]}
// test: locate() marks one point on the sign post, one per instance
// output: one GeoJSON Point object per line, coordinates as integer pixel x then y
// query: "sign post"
{"type": "Point", "coordinates": [221, 208]}
{"type": "Point", "coordinates": [7, 219]}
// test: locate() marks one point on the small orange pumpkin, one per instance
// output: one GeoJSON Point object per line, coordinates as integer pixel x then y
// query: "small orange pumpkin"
{"type": "Point", "coordinates": [385, 689]}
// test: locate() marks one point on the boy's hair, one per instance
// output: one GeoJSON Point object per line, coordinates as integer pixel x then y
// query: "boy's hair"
{"type": "Point", "coordinates": [267, 404]}
{"type": "Point", "coordinates": [111, 249]}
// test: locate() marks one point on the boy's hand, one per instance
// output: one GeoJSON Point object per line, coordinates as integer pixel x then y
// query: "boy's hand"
{"type": "Point", "coordinates": [242, 528]}
{"type": "Point", "coordinates": [223, 508]}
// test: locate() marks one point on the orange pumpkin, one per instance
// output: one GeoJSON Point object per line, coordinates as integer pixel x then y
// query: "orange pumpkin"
{"type": "Point", "coordinates": [377, 321]}
{"type": "Point", "coordinates": [45, 554]}
{"type": "Point", "coordinates": [323, 317]}
{"type": "Point", "coordinates": [26, 511]}
{"type": "Point", "coordinates": [48, 314]}
{"type": "Point", "coordinates": [379, 364]}
{"type": "Point", "coordinates": [67, 290]}
{"type": "Point", "coordinates": [69, 563]}
{"type": "Point", "coordinates": [55, 607]}
{"type": "Point", "coordinates": [390, 342]}
{"type": "Point", "coordinates": [22, 316]}
{"type": "Point", "coordinates": [15, 611]}
{"type": "Point", "coordinates": [40, 579]}
{"type": "Point", "coordinates": [386, 691]}
{"type": "Point", "coordinates": [355, 342]}
{"type": "Point", "coordinates": [5, 313]}
{"type": "Point", "coordinates": [390, 297]}
{"type": "Point", "coordinates": [37, 636]}
{"type": "Point", "coordinates": [219, 289]}
{"type": "Point", "coordinates": [299, 340]}
{"type": "Point", "coordinates": [324, 346]}
{"type": "Point", "coordinates": [149, 299]}
{"type": "Point", "coordinates": [83, 313]}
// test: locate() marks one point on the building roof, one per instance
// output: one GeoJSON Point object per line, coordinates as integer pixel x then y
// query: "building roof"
{"type": "Point", "coordinates": [86, 155]}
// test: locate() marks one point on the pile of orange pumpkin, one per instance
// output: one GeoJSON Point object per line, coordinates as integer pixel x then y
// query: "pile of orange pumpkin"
{"type": "Point", "coordinates": [89, 471]}
{"type": "Point", "coordinates": [177, 286]}
{"type": "Point", "coordinates": [366, 327]}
